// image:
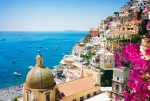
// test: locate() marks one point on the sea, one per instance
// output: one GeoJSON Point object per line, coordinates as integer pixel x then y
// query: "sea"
{"type": "Point", "coordinates": [18, 50]}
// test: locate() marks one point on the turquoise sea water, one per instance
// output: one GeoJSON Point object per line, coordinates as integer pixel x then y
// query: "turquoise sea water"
{"type": "Point", "coordinates": [15, 42]}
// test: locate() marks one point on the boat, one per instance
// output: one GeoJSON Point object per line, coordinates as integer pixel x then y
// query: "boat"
{"type": "Point", "coordinates": [46, 48]}
{"type": "Point", "coordinates": [19, 44]}
{"type": "Point", "coordinates": [17, 73]}
{"type": "Point", "coordinates": [56, 47]}
{"type": "Point", "coordinates": [40, 46]}
{"type": "Point", "coordinates": [21, 50]}
{"type": "Point", "coordinates": [30, 67]}
{"type": "Point", "coordinates": [29, 46]}
{"type": "Point", "coordinates": [4, 39]}
{"type": "Point", "coordinates": [14, 62]}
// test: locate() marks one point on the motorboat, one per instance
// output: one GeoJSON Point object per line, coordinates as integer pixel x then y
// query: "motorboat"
{"type": "Point", "coordinates": [30, 67]}
{"type": "Point", "coordinates": [14, 62]}
{"type": "Point", "coordinates": [3, 39]}
{"type": "Point", "coordinates": [40, 46]}
{"type": "Point", "coordinates": [56, 47]}
{"type": "Point", "coordinates": [17, 73]}
{"type": "Point", "coordinates": [19, 44]}
{"type": "Point", "coordinates": [21, 50]}
{"type": "Point", "coordinates": [46, 48]}
{"type": "Point", "coordinates": [29, 46]}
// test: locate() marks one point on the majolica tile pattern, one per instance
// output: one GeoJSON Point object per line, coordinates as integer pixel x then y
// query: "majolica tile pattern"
{"type": "Point", "coordinates": [40, 78]}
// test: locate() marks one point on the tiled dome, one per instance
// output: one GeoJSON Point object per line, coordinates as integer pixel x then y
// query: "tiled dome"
{"type": "Point", "coordinates": [40, 77]}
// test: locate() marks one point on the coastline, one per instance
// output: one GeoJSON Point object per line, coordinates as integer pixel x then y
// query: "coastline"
{"type": "Point", "coordinates": [65, 42]}
{"type": "Point", "coordinates": [10, 93]}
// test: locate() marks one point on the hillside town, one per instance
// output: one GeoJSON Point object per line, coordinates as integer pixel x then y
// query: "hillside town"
{"type": "Point", "coordinates": [96, 50]}
{"type": "Point", "coordinates": [90, 72]}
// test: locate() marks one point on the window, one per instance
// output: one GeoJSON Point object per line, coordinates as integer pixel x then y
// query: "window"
{"type": "Point", "coordinates": [27, 96]}
{"type": "Point", "coordinates": [74, 100]}
{"type": "Point", "coordinates": [94, 93]}
{"type": "Point", "coordinates": [47, 96]}
{"type": "Point", "coordinates": [81, 98]}
{"type": "Point", "coordinates": [110, 61]}
{"type": "Point", "coordinates": [117, 78]}
{"type": "Point", "coordinates": [117, 87]}
{"type": "Point", "coordinates": [88, 96]}
{"type": "Point", "coordinates": [40, 61]}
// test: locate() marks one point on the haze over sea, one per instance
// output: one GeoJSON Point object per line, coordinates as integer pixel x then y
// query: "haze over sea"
{"type": "Point", "coordinates": [10, 50]}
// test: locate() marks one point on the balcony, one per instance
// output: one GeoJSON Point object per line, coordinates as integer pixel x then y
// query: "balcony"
{"type": "Point", "coordinates": [118, 81]}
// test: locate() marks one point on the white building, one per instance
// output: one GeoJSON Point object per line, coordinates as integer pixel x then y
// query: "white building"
{"type": "Point", "coordinates": [119, 81]}
{"type": "Point", "coordinates": [77, 51]}
{"type": "Point", "coordinates": [140, 4]}
{"type": "Point", "coordinates": [103, 59]}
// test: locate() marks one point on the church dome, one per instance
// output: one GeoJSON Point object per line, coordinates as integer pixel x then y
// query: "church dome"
{"type": "Point", "coordinates": [40, 76]}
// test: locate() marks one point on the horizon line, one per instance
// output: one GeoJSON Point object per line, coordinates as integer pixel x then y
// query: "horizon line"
{"type": "Point", "coordinates": [42, 31]}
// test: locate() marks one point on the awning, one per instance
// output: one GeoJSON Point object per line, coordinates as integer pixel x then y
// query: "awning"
{"type": "Point", "coordinates": [62, 62]}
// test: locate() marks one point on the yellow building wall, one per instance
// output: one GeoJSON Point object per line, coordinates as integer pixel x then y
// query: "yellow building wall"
{"type": "Point", "coordinates": [92, 73]}
{"type": "Point", "coordinates": [84, 93]}
{"type": "Point", "coordinates": [38, 96]}
{"type": "Point", "coordinates": [108, 65]}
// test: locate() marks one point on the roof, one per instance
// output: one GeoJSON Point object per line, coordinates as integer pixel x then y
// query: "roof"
{"type": "Point", "coordinates": [79, 47]}
{"type": "Point", "coordinates": [136, 21]}
{"type": "Point", "coordinates": [62, 62]}
{"type": "Point", "coordinates": [93, 29]}
{"type": "Point", "coordinates": [100, 97]}
{"type": "Point", "coordinates": [76, 86]}
{"type": "Point", "coordinates": [79, 65]}
{"type": "Point", "coordinates": [108, 53]}
{"type": "Point", "coordinates": [39, 56]}
{"type": "Point", "coordinates": [122, 32]}
{"type": "Point", "coordinates": [106, 88]}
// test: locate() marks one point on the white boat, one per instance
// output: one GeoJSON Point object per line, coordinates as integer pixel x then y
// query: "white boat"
{"type": "Point", "coordinates": [46, 48]}
{"type": "Point", "coordinates": [17, 73]}
{"type": "Point", "coordinates": [30, 67]}
{"type": "Point", "coordinates": [56, 47]}
{"type": "Point", "coordinates": [40, 46]}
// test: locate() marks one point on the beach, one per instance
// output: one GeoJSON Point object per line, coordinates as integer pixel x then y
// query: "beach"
{"type": "Point", "coordinates": [7, 94]}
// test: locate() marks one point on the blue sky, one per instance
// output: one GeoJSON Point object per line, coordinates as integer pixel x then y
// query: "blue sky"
{"type": "Point", "coordinates": [55, 15]}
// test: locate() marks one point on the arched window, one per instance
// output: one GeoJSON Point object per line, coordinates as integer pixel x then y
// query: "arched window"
{"type": "Point", "coordinates": [126, 87]}
{"type": "Point", "coordinates": [28, 98]}
{"type": "Point", "coordinates": [117, 87]}
{"type": "Point", "coordinates": [47, 95]}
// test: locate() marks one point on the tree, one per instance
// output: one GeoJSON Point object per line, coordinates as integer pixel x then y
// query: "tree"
{"type": "Point", "coordinates": [106, 82]}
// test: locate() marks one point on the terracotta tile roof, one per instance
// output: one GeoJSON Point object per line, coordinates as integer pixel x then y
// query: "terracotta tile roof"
{"type": "Point", "coordinates": [122, 32]}
{"type": "Point", "coordinates": [79, 65]}
{"type": "Point", "coordinates": [136, 21]}
{"type": "Point", "coordinates": [79, 47]}
{"type": "Point", "coordinates": [76, 86]}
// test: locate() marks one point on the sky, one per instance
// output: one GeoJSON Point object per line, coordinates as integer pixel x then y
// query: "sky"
{"type": "Point", "coordinates": [55, 15]}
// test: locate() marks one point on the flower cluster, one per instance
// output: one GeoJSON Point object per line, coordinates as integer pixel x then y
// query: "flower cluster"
{"type": "Point", "coordinates": [147, 9]}
{"type": "Point", "coordinates": [140, 71]}
{"type": "Point", "coordinates": [148, 25]}
{"type": "Point", "coordinates": [145, 48]}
